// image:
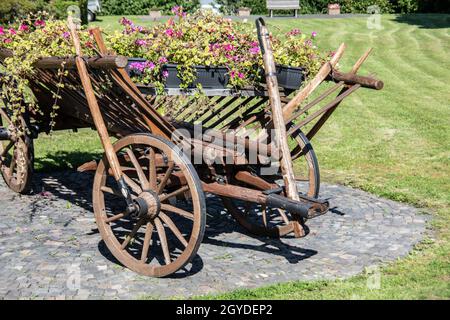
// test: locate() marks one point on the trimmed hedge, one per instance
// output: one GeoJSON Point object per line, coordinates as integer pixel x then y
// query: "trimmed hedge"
{"type": "Point", "coordinates": [13, 9]}
{"type": "Point", "coordinates": [347, 6]}
{"type": "Point", "coordinates": [141, 7]}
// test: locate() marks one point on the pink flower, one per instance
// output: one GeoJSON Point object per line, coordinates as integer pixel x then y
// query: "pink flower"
{"type": "Point", "coordinates": [140, 42]}
{"type": "Point", "coordinates": [142, 66]}
{"type": "Point", "coordinates": [254, 50]}
{"type": "Point", "coordinates": [2, 31]}
{"type": "Point", "coordinates": [134, 28]}
{"type": "Point", "coordinates": [169, 32]}
{"type": "Point", "coordinates": [235, 74]}
{"type": "Point", "coordinates": [172, 33]}
{"type": "Point", "coordinates": [139, 66]}
{"type": "Point", "coordinates": [213, 46]}
{"type": "Point", "coordinates": [178, 11]}
{"type": "Point", "coordinates": [66, 35]}
{"type": "Point", "coordinates": [228, 47]}
{"type": "Point", "coordinates": [39, 23]}
{"type": "Point", "coordinates": [294, 32]}
{"type": "Point", "coordinates": [165, 73]}
{"type": "Point", "coordinates": [12, 31]}
{"type": "Point", "coordinates": [163, 60]}
{"type": "Point", "coordinates": [314, 34]}
{"type": "Point", "coordinates": [7, 40]}
{"type": "Point", "coordinates": [23, 27]}
{"type": "Point", "coordinates": [125, 22]}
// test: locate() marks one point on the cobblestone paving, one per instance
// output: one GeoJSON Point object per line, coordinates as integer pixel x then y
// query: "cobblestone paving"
{"type": "Point", "coordinates": [50, 247]}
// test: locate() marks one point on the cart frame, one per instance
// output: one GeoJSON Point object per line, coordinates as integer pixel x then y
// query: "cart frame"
{"type": "Point", "coordinates": [149, 164]}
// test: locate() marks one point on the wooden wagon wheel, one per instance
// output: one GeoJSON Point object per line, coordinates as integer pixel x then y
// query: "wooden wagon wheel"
{"type": "Point", "coordinates": [169, 235]}
{"type": "Point", "coordinates": [274, 222]}
{"type": "Point", "coordinates": [16, 156]}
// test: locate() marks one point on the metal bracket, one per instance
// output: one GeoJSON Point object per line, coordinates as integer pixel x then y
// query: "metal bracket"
{"type": "Point", "coordinates": [131, 206]}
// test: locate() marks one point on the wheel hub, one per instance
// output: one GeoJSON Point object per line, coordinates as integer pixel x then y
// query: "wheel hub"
{"type": "Point", "coordinates": [148, 204]}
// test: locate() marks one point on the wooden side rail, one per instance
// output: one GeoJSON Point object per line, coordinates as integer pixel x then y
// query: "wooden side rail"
{"type": "Point", "coordinates": [105, 62]}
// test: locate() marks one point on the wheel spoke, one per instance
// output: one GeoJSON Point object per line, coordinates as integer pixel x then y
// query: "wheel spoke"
{"type": "Point", "coordinates": [4, 115]}
{"type": "Point", "coordinates": [173, 227]}
{"type": "Point", "coordinates": [115, 217]}
{"type": "Point", "coordinates": [181, 212]}
{"type": "Point", "coordinates": [147, 238]}
{"type": "Point", "coordinates": [7, 148]}
{"type": "Point", "coordinates": [163, 239]}
{"type": "Point", "coordinates": [284, 216]}
{"type": "Point", "coordinates": [163, 183]}
{"type": "Point", "coordinates": [174, 193]}
{"type": "Point", "coordinates": [144, 182]}
{"type": "Point", "coordinates": [264, 215]}
{"type": "Point", "coordinates": [133, 185]}
{"type": "Point", "coordinates": [113, 191]}
{"type": "Point", "coordinates": [133, 232]}
{"type": "Point", "coordinates": [152, 169]}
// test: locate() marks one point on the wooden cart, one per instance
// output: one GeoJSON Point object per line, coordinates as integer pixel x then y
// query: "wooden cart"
{"type": "Point", "coordinates": [149, 188]}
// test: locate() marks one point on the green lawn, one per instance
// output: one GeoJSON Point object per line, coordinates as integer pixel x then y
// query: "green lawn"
{"type": "Point", "coordinates": [394, 143]}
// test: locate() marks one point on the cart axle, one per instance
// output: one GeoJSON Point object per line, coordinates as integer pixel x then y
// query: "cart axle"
{"type": "Point", "coordinates": [307, 208]}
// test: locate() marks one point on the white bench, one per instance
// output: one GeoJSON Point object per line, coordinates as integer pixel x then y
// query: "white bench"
{"type": "Point", "coordinates": [283, 5]}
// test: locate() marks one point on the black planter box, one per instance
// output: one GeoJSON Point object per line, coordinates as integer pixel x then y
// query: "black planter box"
{"type": "Point", "coordinates": [208, 77]}
{"type": "Point", "coordinates": [290, 77]}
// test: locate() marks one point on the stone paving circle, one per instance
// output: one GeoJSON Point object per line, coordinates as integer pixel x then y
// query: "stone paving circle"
{"type": "Point", "coordinates": [50, 247]}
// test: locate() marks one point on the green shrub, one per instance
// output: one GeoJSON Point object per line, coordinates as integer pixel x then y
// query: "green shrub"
{"type": "Point", "coordinates": [12, 9]}
{"type": "Point", "coordinates": [59, 7]}
{"type": "Point", "coordinates": [361, 6]}
{"type": "Point", "coordinates": [405, 6]}
{"type": "Point", "coordinates": [435, 6]}
{"type": "Point", "coordinates": [141, 7]}
{"type": "Point", "coordinates": [231, 6]}
{"type": "Point", "coordinates": [16, 9]}
{"type": "Point", "coordinates": [347, 6]}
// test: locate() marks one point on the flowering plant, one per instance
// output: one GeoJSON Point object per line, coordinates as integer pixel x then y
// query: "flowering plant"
{"type": "Point", "coordinates": [30, 39]}
{"type": "Point", "coordinates": [298, 50]}
{"type": "Point", "coordinates": [205, 38]}
{"type": "Point", "coordinates": [187, 40]}
{"type": "Point", "coordinates": [202, 38]}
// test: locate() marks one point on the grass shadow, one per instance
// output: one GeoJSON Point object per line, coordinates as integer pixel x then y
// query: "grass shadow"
{"type": "Point", "coordinates": [425, 21]}
{"type": "Point", "coordinates": [63, 160]}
